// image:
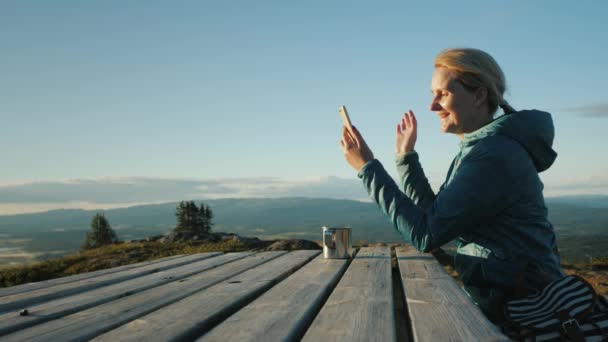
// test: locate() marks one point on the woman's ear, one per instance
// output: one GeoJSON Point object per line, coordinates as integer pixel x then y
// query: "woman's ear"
{"type": "Point", "coordinates": [481, 95]}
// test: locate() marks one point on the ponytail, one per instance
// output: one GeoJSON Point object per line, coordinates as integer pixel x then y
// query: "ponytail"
{"type": "Point", "coordinates": [506, 107]}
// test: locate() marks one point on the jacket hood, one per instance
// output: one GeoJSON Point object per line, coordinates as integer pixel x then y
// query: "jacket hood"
{"type": "Point", "coordinates": [533, 129]}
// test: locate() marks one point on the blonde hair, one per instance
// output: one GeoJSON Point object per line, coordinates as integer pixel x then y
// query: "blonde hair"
{"type": "Point", "coordinates": [477, 69]}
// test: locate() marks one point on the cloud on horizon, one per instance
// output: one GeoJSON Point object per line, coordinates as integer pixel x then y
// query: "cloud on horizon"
{"type": "Point", "coordinates": [593, 184]}
{"type": "Point", "coordinates": [108, 193]}
{"type": "Point", "coordinates": [599, 110]}
{"type": "Point", "coordinates": [122, 192]}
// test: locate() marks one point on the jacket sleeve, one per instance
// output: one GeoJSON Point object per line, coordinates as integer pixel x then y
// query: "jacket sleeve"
{"type": "Point", "coordinates": [414, 183]}
{"type": "Point", "coordinates": [476, 194]}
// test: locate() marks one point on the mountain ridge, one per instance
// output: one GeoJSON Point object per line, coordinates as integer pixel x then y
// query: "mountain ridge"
{"type": "Point", "coordinates": [581, 228]}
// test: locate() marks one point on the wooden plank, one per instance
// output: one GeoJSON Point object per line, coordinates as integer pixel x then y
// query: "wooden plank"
{"type": "Point", "coordinates": [194, 315]}
{"type": "Point", "coordinates": [285, 311]}
{"type": "Point", "coordinates": [361, 307]}
{"type": "Point", "coordinates": [23, 300]}
{"type": "Point", "coordinates": [68, 279]}
{"type": "Point", "coordinates": [66, 305]}
{"type": "Point", "coordinates": [86, 324]}
{"type": "Point", "coordinates": [438, 308]}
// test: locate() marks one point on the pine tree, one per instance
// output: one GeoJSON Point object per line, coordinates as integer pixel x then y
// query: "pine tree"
{"type": "Point", "coordinates": [207, 216]}
{"type": "Point", "coordinates": [192, 219]}
{"type": "Point", "coordinates": [203, 218]}
{"type": "Point", "coordinates": [181, 215]}
{"type": "Point", "coordinates": [186, 213]}
{"type": "Point", "coordinates": [100, 234]}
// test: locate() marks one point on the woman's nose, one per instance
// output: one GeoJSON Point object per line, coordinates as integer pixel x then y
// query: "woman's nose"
{"type": "Point", "coordinates": [435, 106]}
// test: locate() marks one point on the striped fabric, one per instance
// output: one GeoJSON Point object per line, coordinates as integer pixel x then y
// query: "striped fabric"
{"type": "Point", "coordinates": [595, 329]}
{"type": "Point", "coordinates": [602, 304]}
{"type": "Point", "coordinates": [570, 301]}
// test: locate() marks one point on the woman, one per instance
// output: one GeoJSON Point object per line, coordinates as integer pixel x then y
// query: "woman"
{"type": "Point", "coordinates": [491, 200]}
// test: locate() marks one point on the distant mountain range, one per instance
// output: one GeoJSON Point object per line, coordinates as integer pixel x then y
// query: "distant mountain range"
{"type": "Point", "coordinates": [590, 201]}
{"type": "Point", "coordinates": [581, 223]}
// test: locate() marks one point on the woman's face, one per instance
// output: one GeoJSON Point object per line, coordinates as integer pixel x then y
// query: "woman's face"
{"type": "Point", "coordinates": [456, 106]}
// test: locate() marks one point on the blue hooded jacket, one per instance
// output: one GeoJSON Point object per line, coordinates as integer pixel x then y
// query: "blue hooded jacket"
{"type": "Point", "coordinates": [491, 202]}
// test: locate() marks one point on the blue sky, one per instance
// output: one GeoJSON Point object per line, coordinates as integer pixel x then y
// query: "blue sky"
{"type": "Point", "coordinates": [205, 90]}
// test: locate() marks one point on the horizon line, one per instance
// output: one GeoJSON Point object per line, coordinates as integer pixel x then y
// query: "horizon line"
{"type": "Point", "coordinates": [112, 206]}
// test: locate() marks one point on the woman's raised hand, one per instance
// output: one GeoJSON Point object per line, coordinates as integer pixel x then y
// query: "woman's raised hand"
{"type": "Point", "coordinates": [355, 149]}
{"type": "Point", "coordinates": [406, 133]}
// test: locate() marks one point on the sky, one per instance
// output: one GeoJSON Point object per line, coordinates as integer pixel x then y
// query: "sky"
{"type": "Point", "coordinates": [111, 103]}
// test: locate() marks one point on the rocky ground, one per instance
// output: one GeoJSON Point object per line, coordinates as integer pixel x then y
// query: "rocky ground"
{"type": "Point", "coordinates": [252, 243]}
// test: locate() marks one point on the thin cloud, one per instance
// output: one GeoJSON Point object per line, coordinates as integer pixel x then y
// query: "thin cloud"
{"type": "Point", "coordinates": [592, 184]}
{"type": "Point", "coordinates": [99, 191]}
{"type": "Point", "coordinates": [110, 193]}
{"type": "Point", "coordinates": [599, 110]}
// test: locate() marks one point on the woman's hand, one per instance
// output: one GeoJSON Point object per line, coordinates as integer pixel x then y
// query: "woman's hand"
{"type": "Point", "coordinates": [355, 149]}
{"type": "Point", "coordinates": [406, 133]}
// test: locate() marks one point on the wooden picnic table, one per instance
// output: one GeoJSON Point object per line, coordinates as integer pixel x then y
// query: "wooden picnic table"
{"type": "Point", "coordinates": [249, 296]}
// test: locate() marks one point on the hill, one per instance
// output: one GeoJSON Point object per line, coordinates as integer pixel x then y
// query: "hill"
{"type": "Point", "coordinates": [580, 223]}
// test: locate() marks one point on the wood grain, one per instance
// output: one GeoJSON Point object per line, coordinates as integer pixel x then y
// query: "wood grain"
{"type": "Point", "coordinates": [20, 301]}
{"type": "Point", "coordinates": [86, 324]}
{"type": "Point", "coordinates": [58, 281]}
{"type": "Point", "coordinates": [361, 306]}
{"type": "Point", "coordinates": [438, 308]}
{"type": "Point", "coordinates": [193, 316]}
{"type": "Point", "coordinates": [284, 312]}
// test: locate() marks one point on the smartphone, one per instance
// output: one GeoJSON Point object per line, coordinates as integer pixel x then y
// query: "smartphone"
{"type": "Point", "coordinates": [345, 118]}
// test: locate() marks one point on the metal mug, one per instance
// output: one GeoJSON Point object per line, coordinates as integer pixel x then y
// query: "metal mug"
{"type": "Point", "coordinates": [337, 243]}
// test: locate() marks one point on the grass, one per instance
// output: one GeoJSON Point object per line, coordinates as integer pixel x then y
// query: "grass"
{"type": "Point", "coordinates": [108, 257]}
{"type": "Point", "coordinates": [596, 273]}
